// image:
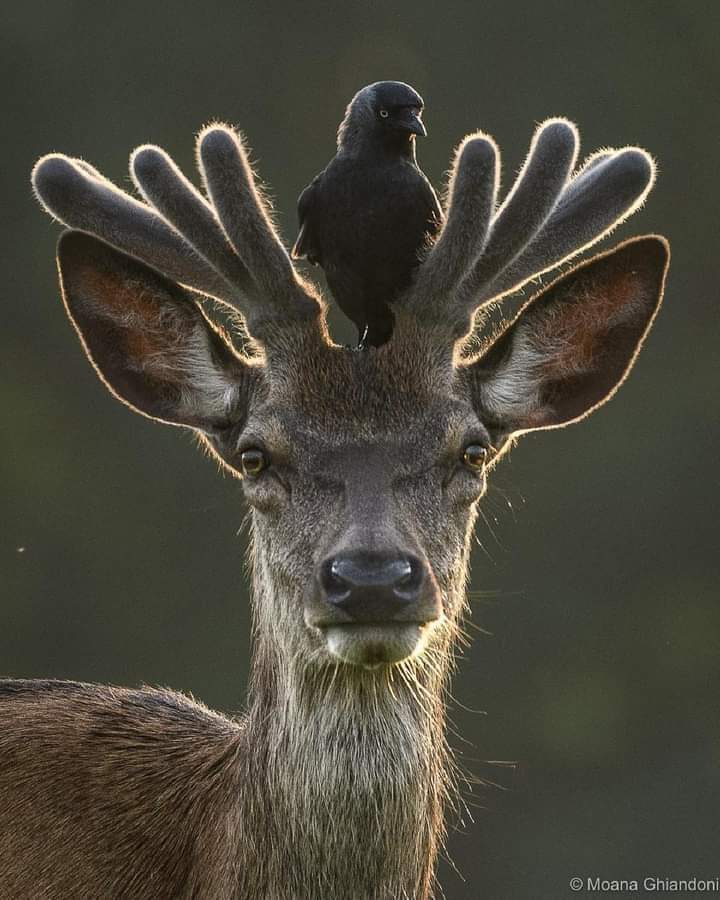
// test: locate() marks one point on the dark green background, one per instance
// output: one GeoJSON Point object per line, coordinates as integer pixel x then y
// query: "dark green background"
{"type": "Point", "coordinates": [120, 558]}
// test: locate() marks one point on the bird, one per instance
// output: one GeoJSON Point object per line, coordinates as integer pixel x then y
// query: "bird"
{"type": "Point", "coordinates": [369, 215]}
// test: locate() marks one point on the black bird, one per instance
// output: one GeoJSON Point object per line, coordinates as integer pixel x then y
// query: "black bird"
{"type": "Point", "coordinates": [367, 217]}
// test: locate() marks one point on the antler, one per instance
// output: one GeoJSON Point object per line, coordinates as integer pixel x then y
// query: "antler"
{"type": "Point", "coordinates": [225, 247]}
{"type": "Point", "coordinates": [547, 218]}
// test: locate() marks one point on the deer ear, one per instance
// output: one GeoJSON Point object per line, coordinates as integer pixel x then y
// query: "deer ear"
{"type": "Point", "coordinates": [149, 341]}
{"type": "Point", "coordinates": [571, 347]}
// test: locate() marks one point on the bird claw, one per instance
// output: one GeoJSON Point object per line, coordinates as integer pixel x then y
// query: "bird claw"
{"type": "Point", "coordinates": [361, 343]}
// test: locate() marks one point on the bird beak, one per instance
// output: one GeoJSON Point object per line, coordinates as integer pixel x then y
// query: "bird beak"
{"type": "Point", "coordinates": [412, 122]}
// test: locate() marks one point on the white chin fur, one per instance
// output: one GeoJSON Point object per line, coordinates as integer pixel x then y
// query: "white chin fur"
{"type": "Point", "coordinates": [375, 645]}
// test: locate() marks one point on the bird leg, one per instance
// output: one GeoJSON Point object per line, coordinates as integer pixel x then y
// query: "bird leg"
{"type": "Point", "coordinates": [362, 335]}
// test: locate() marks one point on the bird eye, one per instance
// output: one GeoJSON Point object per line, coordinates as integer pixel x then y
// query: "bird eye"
{"type": "Point", "coordinates": [475, 456]}
{"type": "Point", "coordinates": [384, 113]}
{"type": "Point", "coordinates": [252, 462]}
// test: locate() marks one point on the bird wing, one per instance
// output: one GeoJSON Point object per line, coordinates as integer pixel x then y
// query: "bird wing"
{"type": "Point", "coordinates": [305, 243]}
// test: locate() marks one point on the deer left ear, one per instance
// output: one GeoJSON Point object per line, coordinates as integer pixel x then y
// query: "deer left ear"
{"type": "Point", "coordinates": [148, 339]}
{"type": "Point", "coordinates": [572, 345]}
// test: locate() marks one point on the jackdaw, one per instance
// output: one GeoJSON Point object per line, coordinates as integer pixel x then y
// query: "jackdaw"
{"type": "Point", "coordinates": [368, 215]}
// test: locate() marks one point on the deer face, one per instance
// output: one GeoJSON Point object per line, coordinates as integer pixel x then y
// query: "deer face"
{"type": "Point", "coordinates": [363, 481]}
{"type": "Point", "coordinates": [363, 470]}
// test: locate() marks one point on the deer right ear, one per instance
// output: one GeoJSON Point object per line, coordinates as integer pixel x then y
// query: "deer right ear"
{"type": "Point", "coordinates": [148, 339]}
{"type": "Point", "coordinates": [572, 345]}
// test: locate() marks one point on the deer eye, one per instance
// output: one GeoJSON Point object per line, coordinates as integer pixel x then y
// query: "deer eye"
{"type": "Point", "coordinates": [475, 456]}
{"type": "Point", "coordinates": [384, 113]}
{"type": "Point", "coordinates": [252, 462]}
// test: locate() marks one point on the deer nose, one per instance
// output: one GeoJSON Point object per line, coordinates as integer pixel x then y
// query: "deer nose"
{"type": "Point", "coordinates": [372, 587]}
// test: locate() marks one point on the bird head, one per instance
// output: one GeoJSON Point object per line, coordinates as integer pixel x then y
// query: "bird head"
{"type": "Point", "coordinates": [386, 113]}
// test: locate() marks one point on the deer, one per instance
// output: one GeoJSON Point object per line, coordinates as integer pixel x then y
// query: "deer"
{"type": "Point", "coordinates": [362, 472]}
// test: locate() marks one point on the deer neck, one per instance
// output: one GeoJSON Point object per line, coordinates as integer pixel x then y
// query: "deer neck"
{"type": "Point", "coordinates": [347, 771]}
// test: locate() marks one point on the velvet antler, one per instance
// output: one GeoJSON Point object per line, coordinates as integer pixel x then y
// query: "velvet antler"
{"type": "Point", "coordinates": [548, 217]}
{"type": "Point", "coordinates": [225, 247]}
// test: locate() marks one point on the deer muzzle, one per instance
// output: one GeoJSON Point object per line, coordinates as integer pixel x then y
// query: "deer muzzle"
{"type": "Point", "coordinates": [374, 608]}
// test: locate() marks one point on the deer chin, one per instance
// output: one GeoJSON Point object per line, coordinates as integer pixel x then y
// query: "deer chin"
{"type": "Point", "coordinates": [374, 645]}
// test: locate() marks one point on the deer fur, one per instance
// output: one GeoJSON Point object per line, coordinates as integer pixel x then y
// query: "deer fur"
{"type": "Point", "coordinates": [335, 782]}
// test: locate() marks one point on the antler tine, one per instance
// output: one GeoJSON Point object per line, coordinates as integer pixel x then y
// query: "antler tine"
{"type": "Point", "coordinates": [76, 194]}
{"type": "Point", "coordinates": [610, 187]}
{"type": "Point", "coordinates": [165, 187]}
{"type": "Point", "coordinates": [231, 188]}
{"type": "Point", "coordinates": [535, 193]}
{"type": "Point", "coordinates": [472, 190]}
{"type": "Point", "coordinates": [474, 246]}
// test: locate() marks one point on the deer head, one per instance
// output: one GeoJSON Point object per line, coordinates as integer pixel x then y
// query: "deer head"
{"type": "Point", "coordinates": [363, 470]}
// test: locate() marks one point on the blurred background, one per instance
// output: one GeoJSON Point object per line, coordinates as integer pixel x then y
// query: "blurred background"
{"type": "Point", "coordinates": [589, 705]}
